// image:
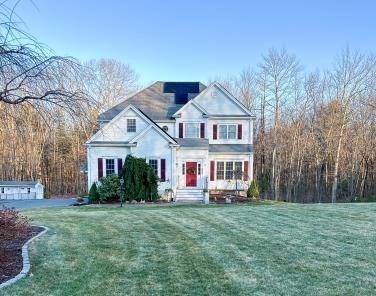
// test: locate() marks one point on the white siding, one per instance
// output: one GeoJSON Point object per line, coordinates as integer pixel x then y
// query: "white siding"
{"type": "Point", "coordinates": [154, 145]}
{"type": "Point", "coordinates": [21, 192]}
{"type": "Point", "coordinates": [93, 153]}
{"type": "Point", "coordinates": [215, 101]}
{"type": "Point", "coordinates": [170, 126]}
{"type": "Point", "coordinates": [117, 129]}
{"type": "Point", "coordinates": [230, 184]}
{"type": "Point", "coordinates": [246, 131]}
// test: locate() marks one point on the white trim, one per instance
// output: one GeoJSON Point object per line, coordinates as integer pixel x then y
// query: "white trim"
{"type": "Point", "coordinates": [196, 105]}
{"type": "Point", "coordinates": [233, 98]}
{"type": "Point", "coordinates": [144, 131]}
{"type": "Point", "coordinates": [227, 125]}
{"type": "Point", "coordinates": [226, 92]}
{"type": "Point", "coordinates": [139, 113]}
{"type": "Point", "coordinates": [191, 122]}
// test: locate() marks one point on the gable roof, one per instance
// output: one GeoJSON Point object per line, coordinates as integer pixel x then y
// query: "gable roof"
{"type": "Point", "coordinates": [151, 100]}
{"type": "Point", "coordinates": [225, 91]}
{"type": "Point", "coordinates": [143, 116]}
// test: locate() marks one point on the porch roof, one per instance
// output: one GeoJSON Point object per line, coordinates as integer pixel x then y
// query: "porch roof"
{"type": "Point", "coordinates": [193, 143]}
{"type": "Point", "coordinates": [231, 148]}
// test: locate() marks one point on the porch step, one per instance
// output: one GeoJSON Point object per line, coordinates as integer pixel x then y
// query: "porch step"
{"type": "Point", "coordinates": [189, 196]}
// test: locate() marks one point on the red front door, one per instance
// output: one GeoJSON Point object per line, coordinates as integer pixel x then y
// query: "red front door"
{"type": "Point", "coordinates": [191, 174]}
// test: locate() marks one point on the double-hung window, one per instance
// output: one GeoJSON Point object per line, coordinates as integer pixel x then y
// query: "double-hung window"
{"type": "Point", "coordinates": [229, 170]}
{"type": "Point", "coordinates": [131, 125]}
{"type": "Point", "coordinates": [227, 131]}
{"type": "Point", "coordinates": [154, 164]}
{"type": "Point", "coordinates": [110, 166]}
{"type": "Point", "coordinates": [2, 189]}
{"type": "Point", "coordinates": [220, 170]}
{"type": "Point", "coordinates": [192, 130]}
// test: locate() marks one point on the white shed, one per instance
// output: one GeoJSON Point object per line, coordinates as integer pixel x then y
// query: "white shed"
{"type": "Point", "coordinates": [21, 190]}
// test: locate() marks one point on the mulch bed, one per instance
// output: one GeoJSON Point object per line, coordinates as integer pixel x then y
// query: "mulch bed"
{"type": "Point", "coordinates": [221, 199]}
{"type": "Point", "coordinates": [11, 261]}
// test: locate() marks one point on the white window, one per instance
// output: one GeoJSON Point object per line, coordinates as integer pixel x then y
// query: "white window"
{"type": "Point", "coordinates": [220, 170]}
{"type": "Point", "coordinates": [131, 125]}
{"type": "Point", "coordinates": [199, 168]}
{"type": "Point", "coordinates": [183, 169]}
{"type": "Point", "coordinates": [2, 189]}
{"type": "Point", "coordinates": [227, 131]}
{"type": "Point", "coordinates": [28, 190]}
{"type": "Point", "coordinates": [110, 166]}
{"type": "Point", "coordinates": [238, 172]}
{"type": "Point", "coordinates": [229, 170]}
{"type": "Point", "coordinates": [154, 164]}
{"type": "Point", "coordinates": [192, 130]}
{"type": "Point", "coordinates": [231, 131]}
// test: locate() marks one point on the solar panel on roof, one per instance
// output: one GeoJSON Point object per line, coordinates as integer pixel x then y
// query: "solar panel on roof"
{"type": "Point", "coordinates": [181, 90]}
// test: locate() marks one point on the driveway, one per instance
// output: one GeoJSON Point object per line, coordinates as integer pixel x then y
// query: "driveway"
{"type": "Point", "coordinates": [37, 203]}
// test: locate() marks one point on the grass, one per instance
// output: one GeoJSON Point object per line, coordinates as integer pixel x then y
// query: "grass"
{"type": "Point", "coordinates": [267, 249]}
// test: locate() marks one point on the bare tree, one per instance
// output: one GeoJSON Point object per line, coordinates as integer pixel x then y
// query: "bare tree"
{"type": "Point", "coordinates": [109, 81]}
{"type": "Point", "coordinates": [281, 72]}
{"type": "Point", "coordinates": [351, 77]}
{"type": "Point", "coordinates": [29, 72]}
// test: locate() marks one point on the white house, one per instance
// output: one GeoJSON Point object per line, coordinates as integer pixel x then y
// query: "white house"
{"type": "Point", "coordinates": [195, 137]}
{"type": "Point", "coordinates": [21, 190]}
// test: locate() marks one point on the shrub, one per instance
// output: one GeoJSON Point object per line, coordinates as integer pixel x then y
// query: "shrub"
{"type": "Point", "coordinates": [13, 226]}
{"type": "Point", "coordinates": [109, 188]}
{"type": "Point", "coordinates": [93, 193]}
{"type": "Point", "coordinates": [140, 181]}
{"type": "Point", "coordinates": [253, 190]}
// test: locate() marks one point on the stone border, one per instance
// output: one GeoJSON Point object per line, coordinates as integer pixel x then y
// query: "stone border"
{"type": "Point", "coordinates": [26, 261]}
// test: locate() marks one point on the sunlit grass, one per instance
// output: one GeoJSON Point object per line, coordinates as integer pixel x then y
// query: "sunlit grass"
{"type": "Point", "coordinates": [204, 250]}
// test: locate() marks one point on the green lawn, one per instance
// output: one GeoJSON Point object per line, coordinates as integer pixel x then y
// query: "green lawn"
{"type": "Point", "coordinates": [262, 249]}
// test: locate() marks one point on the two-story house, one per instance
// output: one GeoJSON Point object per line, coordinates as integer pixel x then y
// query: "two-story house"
{"type": "Point", "coordinates": [195, 137]}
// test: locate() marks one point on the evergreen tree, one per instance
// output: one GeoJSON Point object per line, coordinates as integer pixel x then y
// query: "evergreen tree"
{"type": "Point", "coordinates": [93, 193]}
{"type": "Point", "coordinates": [140, 181]}
{"type": "Point", "coordinates": [253, 190]}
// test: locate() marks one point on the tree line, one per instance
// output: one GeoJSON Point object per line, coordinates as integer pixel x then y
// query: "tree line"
{"type": "Point", "coordinates": [315, 133]}
{"type": "Point", "coordinates": [314, 137]}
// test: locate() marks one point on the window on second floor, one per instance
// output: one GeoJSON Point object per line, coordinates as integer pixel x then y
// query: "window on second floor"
{"type": "Point", "coordinates": [2, 189]}
{"type": "Point", "coordinates": [192, 130]}
{"type": "Point", "coordinates": [131, 125]}
{"type": "Point", "coordinates": [227, 131]}
{"type": "Point", "coordinates": [110, 166]}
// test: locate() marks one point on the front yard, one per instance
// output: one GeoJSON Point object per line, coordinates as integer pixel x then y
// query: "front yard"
{"type": "Point", "coordinates": [204, 250]}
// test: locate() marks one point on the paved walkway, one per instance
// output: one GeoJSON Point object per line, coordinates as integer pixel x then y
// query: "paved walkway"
{"type": "Point", "coordinates": [37, 203]}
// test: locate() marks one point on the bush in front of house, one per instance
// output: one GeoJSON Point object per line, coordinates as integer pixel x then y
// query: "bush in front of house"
{"type": "Point", "coordinates": [109, 188]}
{"type": "Point", "coordinates": [140, 180]}
{"type": "Point", "coordinates": [13, 227]}
{"type": "Point", "coordinates": [253, 190]}
{"type": "Point", "coordinates": [94, 194]}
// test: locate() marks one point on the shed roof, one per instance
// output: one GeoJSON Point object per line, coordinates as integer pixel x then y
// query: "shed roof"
{"type": "Point", "coordinates": [193, 143]}
{"type": "Point", "coordinates": [18, 183]}
{"type": "Point", "coordinates": [231, 148]}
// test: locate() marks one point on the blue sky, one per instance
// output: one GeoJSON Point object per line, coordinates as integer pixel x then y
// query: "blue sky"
{"type": "Point", "coordinates": [197, 40]}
